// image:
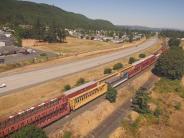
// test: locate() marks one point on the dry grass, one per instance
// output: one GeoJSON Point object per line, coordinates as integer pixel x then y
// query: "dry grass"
{"type": "Point", "coordinates": [77, 46]}
{"type": "Point", "coordinates": [173, 126]}
{"type": "Point", "coordinates": [18, 100]}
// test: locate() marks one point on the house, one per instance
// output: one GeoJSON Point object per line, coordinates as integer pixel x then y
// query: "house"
{"type": "Point", "coordinates": [8, 41]}
{"type": "Point", "coordinates": [2, 44]}
{"type": "Point", "coordinates": [8, 35]}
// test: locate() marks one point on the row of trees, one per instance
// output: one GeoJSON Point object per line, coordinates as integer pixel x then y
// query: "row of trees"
{"type": "Point", "coordinates": [171, 63]}
{"type": "Point", "coordinates": [41, 32]}
{"type": "Point", "coordinates": [172, 34]}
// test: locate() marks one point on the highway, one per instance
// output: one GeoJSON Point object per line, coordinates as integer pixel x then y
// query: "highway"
{"type": "Point", "coordinates": [22, 80]}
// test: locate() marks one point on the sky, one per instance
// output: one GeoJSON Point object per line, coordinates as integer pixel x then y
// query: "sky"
{"type": "Point", "coordinates": [150, 13]}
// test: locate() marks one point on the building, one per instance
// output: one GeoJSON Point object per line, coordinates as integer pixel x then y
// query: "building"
{"type": "Point", "coordinates": [2, 44]}
{"type": "Point", "coordinates": [6, 41]}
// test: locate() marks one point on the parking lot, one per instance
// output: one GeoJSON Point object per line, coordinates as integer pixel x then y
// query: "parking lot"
{"type": "Point", "coordinates": [13, 55]}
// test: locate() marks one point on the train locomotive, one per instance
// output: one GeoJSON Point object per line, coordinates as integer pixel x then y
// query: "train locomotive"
{"type": "Point", "coordinates": [52, 110]}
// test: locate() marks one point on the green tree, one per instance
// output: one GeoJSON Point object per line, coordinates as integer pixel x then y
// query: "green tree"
{"type": "Point", "coordinates": [170, 64]}
{"type": "Point", "coordinates": [140, 101]}
{"type": "Point", "coordinates": [18, 36]}
{"type": "Point", "coordinates": [174, 42]}
{"type": "Point", "coordinates": [80, 81]}
{"type": "Point", "coordinates": [111, 94]}
{"type": "Point", "coordinates": [67, 87]}
{"type": "Point", "coordinates": [107, 71]}
{"type": "Point", "coordinates": [131, 38]}
{"type": "Point", "coordinates": [117, 66]}
{"type": "Point", "coordinates": [38, 30]}
{"type": "Point", "coordinates": [142, 55]}
{"type": "Point", "coordinates": [61, 35]}
{"type": "Point", "coordinates": [30, 132]}
{"type": "Point", "coordinates": [131, 60]}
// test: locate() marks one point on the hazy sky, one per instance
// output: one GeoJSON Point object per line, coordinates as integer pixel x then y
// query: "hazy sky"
{"type": "Point", "coordinates": [152, 13]}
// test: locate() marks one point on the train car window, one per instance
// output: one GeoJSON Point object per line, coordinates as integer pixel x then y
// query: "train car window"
{"type": "Point", "coordinates": [1, 125]}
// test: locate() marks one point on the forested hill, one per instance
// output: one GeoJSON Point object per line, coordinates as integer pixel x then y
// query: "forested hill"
{"type": "Point", "coordinates": [23, 12]}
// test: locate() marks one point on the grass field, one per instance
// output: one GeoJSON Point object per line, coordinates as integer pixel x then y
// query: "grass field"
{"type": "Point", "coordinates": [77, 46]}
{"type": "Point", "coordinates": [19, 100]}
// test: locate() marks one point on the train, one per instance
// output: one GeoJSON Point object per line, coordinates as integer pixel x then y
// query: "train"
{"type": "Point", "coordinates": [54, 109]}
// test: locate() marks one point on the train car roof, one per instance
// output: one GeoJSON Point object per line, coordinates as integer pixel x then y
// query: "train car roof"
{"type": "Point", "coordinates": [79, 88]}
{"type": "Point", "coordinates": [138, 62]}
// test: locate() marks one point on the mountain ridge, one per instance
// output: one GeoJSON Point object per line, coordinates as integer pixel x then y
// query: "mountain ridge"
{"type": "Point", "coordinates": [26, 12]}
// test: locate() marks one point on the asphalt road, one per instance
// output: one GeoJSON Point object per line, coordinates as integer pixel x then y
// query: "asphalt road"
{"type": "Point", "coordinates": [18, 81]}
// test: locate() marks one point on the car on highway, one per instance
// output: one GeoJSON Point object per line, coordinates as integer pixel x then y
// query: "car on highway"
{"type": "Point", "coordinates": [2, 85]}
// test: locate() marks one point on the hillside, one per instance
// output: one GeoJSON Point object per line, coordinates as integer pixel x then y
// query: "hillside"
{"type": "Point", "coordinates": [23, 12]}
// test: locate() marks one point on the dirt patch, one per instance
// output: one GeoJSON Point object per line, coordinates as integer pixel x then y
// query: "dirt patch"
{"type": "Point", "coordinates": [118, 133]}
{"type": "Point", "coordinates": [133, 116]}
{"type": "Point", "coordinates": [32, 43]}
{"type": "Point", "coordinates": [152, 106]}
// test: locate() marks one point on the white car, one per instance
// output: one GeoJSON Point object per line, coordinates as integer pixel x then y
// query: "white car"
{"type": "Point", "coordinates": [2, 85]}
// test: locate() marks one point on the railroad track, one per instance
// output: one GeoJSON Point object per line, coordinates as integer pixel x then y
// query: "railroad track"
{"type": "Point", "coordinates": [113, 121]}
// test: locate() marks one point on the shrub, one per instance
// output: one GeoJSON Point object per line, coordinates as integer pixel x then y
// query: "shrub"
{"type": "Point", "coordinates": [142, 55]}
{"type": "Point", "coordinates": [67, 87]}
{"type": "Point", "coordinates": [157, 112]}
{"type": "Point", "coordinates": [67, 134]}
{"type": "Point", "coordinates": [111, 94]}
{"type": "Point", "coordinates": [131, 60]}
{"type": "Point", "coordinates": [140, 101]}
{"type": "Point", "coordinates": [43, 54]}
{"type": "Point", "coordinates": [30, 132]}
{"type": "Point", "coordinates": [107, 71]}
{"type": "Point", "coordinates": [117, 66]}
{"type": "Point", "coordinates": [178, 106]}
{"type": "Point", "coordinates": [80, 81]}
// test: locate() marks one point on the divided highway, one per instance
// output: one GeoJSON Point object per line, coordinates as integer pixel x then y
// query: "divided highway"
{"type": "Point", "coordinates": [18, 81]}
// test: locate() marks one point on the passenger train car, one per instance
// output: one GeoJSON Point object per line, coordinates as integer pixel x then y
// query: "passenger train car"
{"type": "Point", "coordinates": [47, 112]}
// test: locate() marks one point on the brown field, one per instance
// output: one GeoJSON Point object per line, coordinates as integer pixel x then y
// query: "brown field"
{"type": "Point", "coordinates": [75, 46]}
{"type": "Point", "coordinates": [18, 100]}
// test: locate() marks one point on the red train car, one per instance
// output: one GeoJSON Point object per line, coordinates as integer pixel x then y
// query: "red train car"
{"type": "Point", "coordinates": [141, 65]}
{"type": "Point", "coordinates": [40, 115]}
{"type": "Point", "coordinates": [78, 90]}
